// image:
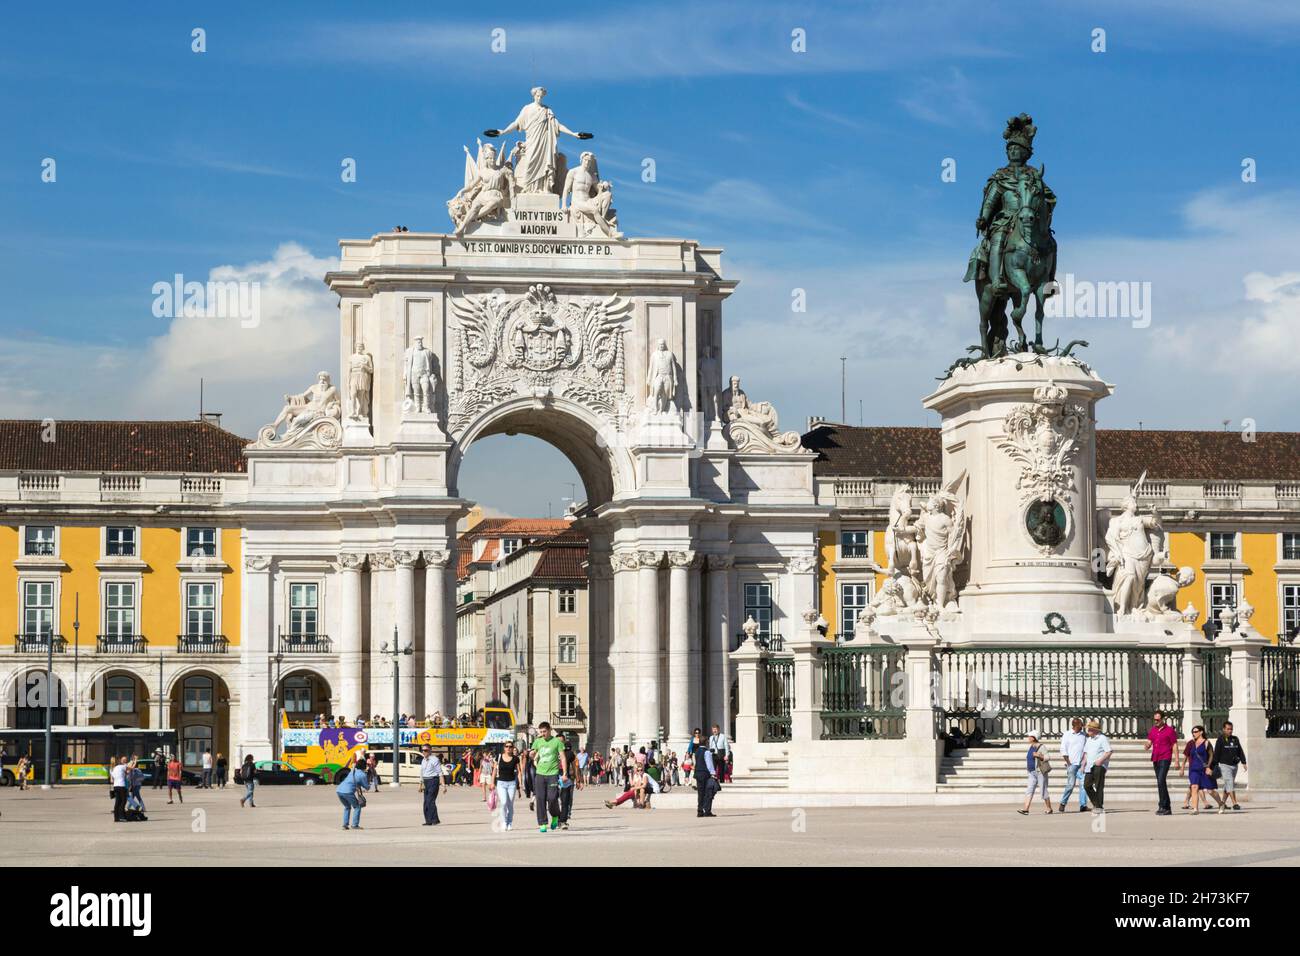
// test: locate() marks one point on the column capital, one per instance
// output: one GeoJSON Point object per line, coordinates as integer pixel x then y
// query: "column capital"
{"type": "Point", "coordinates": [681, 559]}
{"type": "Point", "coordinates": [406, 559]}
{"type": "Point", "coordinates": [649, 559]}
{"type": "Point", "coordinates": [382, 559]}
{"type": "Point", "coordinates": [721, 562]}
{"type": "Point", "coordinates": [436, 558]}
{"type": "Point", "coordinates": [351, 560]}
{"type": "Point", "coordinates": [257, 562]}
{"type": "Point", "coordinates": [803, 562]}
{"type": "Point", "coordinates": [623, 561]}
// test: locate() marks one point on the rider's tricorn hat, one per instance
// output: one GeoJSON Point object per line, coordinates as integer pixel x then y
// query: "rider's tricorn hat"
{"type": "Point", "coordinates": [1021, 131]}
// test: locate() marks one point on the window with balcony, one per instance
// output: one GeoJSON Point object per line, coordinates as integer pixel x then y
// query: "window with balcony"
{"type": "Point", "coordinates": [1223, 546]}
{"type": "Point", "coordinates": [119, 542]}
{"type": "Point", "coordinates": [853, 598]}
{"type": "Point", "coordinates": [303, 611]}
{"type": "Point", "coordinates": [568, 600]}
{"type": "Point", "coordinates": [38, 607]}
{"type": "Point", "coordinates": [568, 701]}
{"type": "Point", "coordinates": [568, 648]}
{"type": "Point", "coordinates": [201, 542]}
{"type": "Point", "coordinates": [855, 544]}
{"type": "Point", "coordinates": [200, 609]}
{"type": "Point", "coordinates": [1291, 609]}
{"type": "Point", "coordinates": [1291, 546]}
{"type": "Point", "coordinates": [38, 541]}
{"type": "Point", "coordinates": [758, 605]}
{"type": "Point", "coordinates": [119, 610]}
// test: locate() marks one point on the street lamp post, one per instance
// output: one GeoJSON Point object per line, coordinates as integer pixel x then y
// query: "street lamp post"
{"type": "Point", "coordinates": [396, 653]}
{"type": "Point", "coordinates": [49, 705]}
{"type": "Point", "coordinates": [275, 691]}
{"type": "Point", "coordinates": [76, 655]}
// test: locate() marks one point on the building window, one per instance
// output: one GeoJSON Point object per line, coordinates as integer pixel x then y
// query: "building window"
{"type": "Point", "coordinates": [200, 609]}
{"type": "Point", "coordinates": [197, 695]}
{"type": "Point", "coordinates": [1291, 546]}
{"type": "Point", "coordinates": [509, 546]}
{"type": "Point", "coordinates": [196, 738]}
{"type": "Point", "coordinates": [855, 544]}
{"type": "Point", "coordinates": [758, 605]}
{"type": "Point", "coordinates": [568, 701]}
{"type": "Point", "coordinates": [1291, 609]}
{"type": "Point", "coordinates": [201, 542]}
{"type": "Point", "coordinates": [853, 598]}
{"type": "Point", "coordinates": [568, 598]}
{"type": "Point", "coordinates": [1223, 546]}
{"type": "Point", "coordinates": [302, 610]}
{"type": "Point", "coordinates": [568, 648]}
{"type": "Point", "coordinates": [38, 541]}
{"type": "Point", "coordinates": [119, 609]}
{"type": "Point", "coordinates": [1221, 596]}
{"type": "Point", "coordinates": [119, 542]}
{"type": "Point", "coordinates": [119, 695]}
{"type": "Point", "coordinates": [298, 695]}
{"type": "Point", "coordinates": [38, 607]}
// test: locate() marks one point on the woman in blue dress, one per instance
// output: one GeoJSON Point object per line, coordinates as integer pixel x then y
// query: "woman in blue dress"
{"type": "Point", "coordinates": [1200, 754]}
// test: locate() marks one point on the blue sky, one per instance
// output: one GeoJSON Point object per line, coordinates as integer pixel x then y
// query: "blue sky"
{"type": "Point", "coordinates": [816, 170]}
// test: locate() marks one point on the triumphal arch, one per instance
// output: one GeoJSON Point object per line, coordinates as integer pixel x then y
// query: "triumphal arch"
{"type": "Point", "coordinates": [538, 312]}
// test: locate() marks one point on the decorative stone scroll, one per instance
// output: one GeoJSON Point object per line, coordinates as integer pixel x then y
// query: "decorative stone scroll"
{"type": "Point", "coordinates": [752, 426]}
{"type": "Point", "coordinates": [537, 345]}
{"type": "Point", "coordinates": [311, 419]}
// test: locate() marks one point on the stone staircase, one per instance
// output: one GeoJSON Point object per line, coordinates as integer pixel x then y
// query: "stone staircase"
{"type": "Point", "coordinates": [769, 775]}
{"type": "Point", "coordinates": [991, 770]}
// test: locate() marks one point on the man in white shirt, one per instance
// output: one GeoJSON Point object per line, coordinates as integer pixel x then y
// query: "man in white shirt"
{"type": "Point", "coordinates": [431, 780]}
{"type": "Point", "coordinates": [207, 770]}
{"type": "Point", "coordinates": [1096, 757]}
{"type": "Point", "coordinates": [117, 779]}
{"type": "Point", "coordinates": [720, 746]}
{"type": "Point", "coordinates": [1072, 744]}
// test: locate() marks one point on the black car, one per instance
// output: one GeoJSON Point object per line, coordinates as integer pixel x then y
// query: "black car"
{"type": "Point", "coordinates": [189, 778]}
{"type": "Point", "coordinates": [279, 772]}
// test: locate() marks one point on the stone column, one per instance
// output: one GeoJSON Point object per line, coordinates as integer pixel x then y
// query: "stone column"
{"type": "Point", "coordinates": [805, 716]}
{"type": "Point", "coordinates": [718, 643]}
{"type": "Point", "coordinates": [1189, 639]}
{"type": "Point", "coordinates": [648, 713]}
{"type": "Point", "coordinates": [383, 607]}
{"type": "Point", "coordinates": [803, 585]}
{"type": "Point", "coordinates": [623, 646]}
{"type": "Point", "coordinates": [255, 655]}
{"type": "Point", "coordinates": [679, 648]}
{"type": "Point", "coordinates": [920, 771]}
{"type": "Point", "coordinates": [351, 689]}
{"type": "Point", "coordinates": [600, 670]}
{"type": "Point", "coordinates": [752, 704]}
{"type": "Point", "coordinates": [404, 617]}
{"type": "Point", "coordinates": [1249, 719]}
{"type": "Point", "coordinates": [439, 645]}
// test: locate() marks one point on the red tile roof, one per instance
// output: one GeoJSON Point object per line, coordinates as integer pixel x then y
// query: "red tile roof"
{"type": "Point", "coordinates": [1122, 454]}
{"type": "Point", "coordinates": [193, 447]}
{"type": "Point", "coordinates": [516, 527]}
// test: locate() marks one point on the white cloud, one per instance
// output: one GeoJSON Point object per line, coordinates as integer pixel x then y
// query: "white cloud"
{"type": "Point", "coordinates": [245, 370]}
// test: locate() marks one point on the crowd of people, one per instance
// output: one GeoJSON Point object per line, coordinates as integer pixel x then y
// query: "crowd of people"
{"type": "Point", "coordinates": [434, 720]}
{"type": "Point", "coordinates": [1211, 767]}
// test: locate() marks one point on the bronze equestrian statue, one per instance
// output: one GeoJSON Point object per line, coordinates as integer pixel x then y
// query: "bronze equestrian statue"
{"type": "Point", "coordinates": [1015, 257]}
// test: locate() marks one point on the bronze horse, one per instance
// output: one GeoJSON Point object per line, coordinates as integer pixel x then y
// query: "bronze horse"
{"type": "Point", "coordinates": [1028, 268]}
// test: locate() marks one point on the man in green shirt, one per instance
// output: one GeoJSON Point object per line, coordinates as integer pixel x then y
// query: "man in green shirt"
{"type": "Point", "coordinates": [551, 768]}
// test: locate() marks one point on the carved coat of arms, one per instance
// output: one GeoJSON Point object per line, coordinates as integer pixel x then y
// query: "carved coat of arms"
{"type": "Point", "coordinates": [1045, 439]}
{"type": "Point", "coordinates": [537, 345]}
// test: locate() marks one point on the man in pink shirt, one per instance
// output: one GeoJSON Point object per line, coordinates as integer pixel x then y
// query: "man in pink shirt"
{"type": "Point", "coordinates": [1162, 741]}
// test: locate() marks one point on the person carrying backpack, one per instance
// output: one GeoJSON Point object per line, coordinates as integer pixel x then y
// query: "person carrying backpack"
{"type": "Point", "coordinates": [247, 775]}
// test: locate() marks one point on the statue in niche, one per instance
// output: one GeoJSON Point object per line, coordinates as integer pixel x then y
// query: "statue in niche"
{"type": "Point", "coordinates": [662, 379]}
{"type": "Point", "coordinates": [419, 377]}
{"type": "Point", "coordinates": [361, 373]}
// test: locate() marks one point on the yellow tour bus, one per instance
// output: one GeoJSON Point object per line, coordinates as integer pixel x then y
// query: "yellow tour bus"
{"type": "Point", "coordinates": [325, 751]}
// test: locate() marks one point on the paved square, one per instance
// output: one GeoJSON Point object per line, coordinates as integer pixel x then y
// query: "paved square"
{"type": "Point", "coordinates": [301, 826]}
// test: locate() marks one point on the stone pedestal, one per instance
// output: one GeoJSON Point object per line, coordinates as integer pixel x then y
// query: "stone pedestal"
{"type": "Point", "coordinates": [1022, 431]}
{"type": "Point", "coordinates": [419, 428]}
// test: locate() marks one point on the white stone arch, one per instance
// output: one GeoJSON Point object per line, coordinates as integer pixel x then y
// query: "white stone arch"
{"type": "Point", "coordinates": [594, 447]}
